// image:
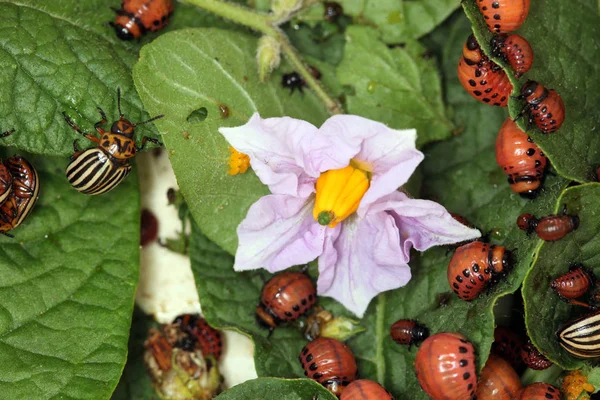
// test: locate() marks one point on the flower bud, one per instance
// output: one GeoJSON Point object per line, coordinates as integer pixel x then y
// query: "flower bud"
{"type": "Point", "coordinates": [268, 56]}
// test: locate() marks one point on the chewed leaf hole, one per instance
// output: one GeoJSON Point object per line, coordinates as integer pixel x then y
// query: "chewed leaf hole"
{"type": "Point", "coordinates": [197, 115]}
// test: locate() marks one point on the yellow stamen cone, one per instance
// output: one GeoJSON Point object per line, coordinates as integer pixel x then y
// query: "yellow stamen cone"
{"type": "Point", "coordinates": [339, 192]}
{"type": "Point", "coordinates": [238, 162]}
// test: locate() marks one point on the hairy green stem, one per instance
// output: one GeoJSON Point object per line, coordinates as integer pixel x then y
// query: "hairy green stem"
{"type": "Point", "coordinates": [263, 23]}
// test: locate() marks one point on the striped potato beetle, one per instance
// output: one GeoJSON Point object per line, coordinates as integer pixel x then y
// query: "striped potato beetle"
{"type": "Point", "coordinates": [581, 337]}
{"type": "Point", "coordinates": [364, 389]}
{"type": "Point", "coordinates": [474, 266]}
{"type": "Point", "coordinates": [445, 367]}
{"type": "Point", "coordinates": [22, 196]}
{"type": "Point", "coordinates": [100, 169]}
{"type": "Point", "coordinates": [515, 50]}
{"type": "Point", "coordinates": [544, 106]}
{"type": "Point", "coordinates": [540, 391]}
{"type": "Point", "coordinates": [329, 362]}
{"type": "Point", "coordinates": [520, 159]}
{"type": "Point", "coordinates": [498, 380]}
{"type": "Point", "coordinates": [481, 77]}
{"type": "Point", "coordinates": [503, 16]}
{"type": "Point", "coordinates": [285, 297]}
{"type": "Point", "coordinates": [136, 17]}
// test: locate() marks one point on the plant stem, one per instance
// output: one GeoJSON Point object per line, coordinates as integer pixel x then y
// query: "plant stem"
{"type": "Point", "coordinates": [263, 23]}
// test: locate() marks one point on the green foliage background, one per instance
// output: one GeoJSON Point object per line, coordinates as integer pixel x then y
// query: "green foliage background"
{"type": "Point", "coordinates": [69, 276]}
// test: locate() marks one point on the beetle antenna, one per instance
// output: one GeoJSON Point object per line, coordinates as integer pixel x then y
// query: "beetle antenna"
{"type": "Point", "coordinates": [149, 120]}
{"type": "Point", "coordinates": [119, 100]}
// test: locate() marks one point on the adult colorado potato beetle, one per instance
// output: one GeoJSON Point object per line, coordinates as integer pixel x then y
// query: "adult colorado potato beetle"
{"type": "Point", "coordinates": [364, 389]}
{"type": "Point", "coordinates": [503, 16]}
{"type": "Point", "coordinates": [22, 196]}
{"type": "Point", "coordinates": [294, 80]}
{"type": "Point", "coordinates": [136, 17]}
{"type": "Point", "coordinates": [544, 106]}
{"type": "Point", "coordinates": [551, 227]}
{"type": "Point", "coordinates": [520, 159]}
{"type": "Point", "coordinates": [474, 266]}
{"type": "Point", "coordinates": [285, 297]}
{"type": "Point", "coordinates": [515, 50]}
{"type": "Point", "coordinates": [329, 362]}
{"type": "Point", "coordinates": [532, 357]}
{"type": "Point", "coordinates": [408, 331]}
{"type": "Point", "coordinates": [581, 337]}
{"type": "Point", "coordinates": [481, 77]}
{"type": "Point", "coordinates": [100, 169]}
{"type": "Point", "coordinates": [540, 391]}
{"type": "Point", "coordinates": [498, 380]}
{"type": "Point", "coordinates": [445, 367]}
{"type": "Point", "coordinates": [573, 284]}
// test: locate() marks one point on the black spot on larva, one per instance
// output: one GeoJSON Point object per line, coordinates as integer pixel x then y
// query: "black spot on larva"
{"type": "Point", "coordinates": [495, 5]}
{"type": "Point", "coordinates": [313, 367]}
{"type": "Point", "coordinates": [487, 271]}
{"type": "Point", "coordinates": [296, 308]}
{"type": "Point", "coordinates": [473, 281]}
{"type": "Point", "coordinates": [462, 349]}
{"type": "Point", "coordinates": [497, 26]}
{"type": "Point", "coordinates": [318, 375]}
{"type": "Point", "coordinates": [469, 386]}
{"type": "Point", "coordinates": [310, 297]}
{"type": "Point", "coordinates": [477, 73]}
{"type": "Point", "coordinates": [309, 358]}
{"type": "Point", "coordinates": [488, 90]}
{"type": "Point", "coordinates": [503, 98]}
{"type": "Point", "coordinates": [483, 82]}
{"type": "Point", "coordinates": [486, 100]}
{"type": "Point", "coordinates": [551, 389]}
{"type": "Point", "coordinates": [466, 376]}
{"type": "Point", "coordinates": [477, 93]}
{"type": "Point", "coordinates": [455, 285]}
{"type": "Point", "coordinates": [553, 122]}
{"type": "Point", "coordinates": [537, 163]}
{"type": "Point", "coordinates": [469, 287]}
{"type": "Point", "coordinates": [156, 22]}
{"type": "Point", "coordinates": [548, 396]}
{"type": "Point", "coordinates": [544, 109]}
{"type": "Point", "coordinates": [549, 115]}
{"type": "Point", "coordinates": [303, 302]}
{"type": "Point", "coordinates": [475, 267]}
{"type": "Point", "coordinates": [466, 273]}
{"type": "Point", "coordinates": [463, 363]}
{"type": "Point", "coordinates": [163, 18]}
{"type": "Point", "coordinates": [305, 373]}
{"type": "Point", "coordinates": [305, 351]}
{"type": "Point", "coordinates": [497, 104]}
{"type": "Point", "coordinates": [288, 314]}
{"type": "Point", "coordinates": [530, 140]}
{"type": "Point", "coordinates": [459, 278]}
{"type": "Point", "coordinates": [494, 95]}
{"type": "Point", "coordinates": [472, 82]}
{"type": "Point", "coordinates": [496, 16]}
{"type": "Point", "coordinates": [484, 8]}
{"type": "Point", "coordinates": [530, 152]}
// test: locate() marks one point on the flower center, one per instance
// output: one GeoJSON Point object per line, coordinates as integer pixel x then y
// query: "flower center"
{"type": "Point", "coordinates": [339, 192]}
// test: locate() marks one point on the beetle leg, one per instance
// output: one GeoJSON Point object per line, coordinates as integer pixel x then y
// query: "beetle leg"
{"type": "Point", "coordinates": [580, 303]}
{"type": "Point", "coordinates": [77, 150]}
{"type": "Point", "coordinates": [77, 129]}
{"type": "Point", "coordinates": [147, 139]}
{"type": "Point", "coordinates": [6, 133]}
{"type": "Point", "coordinates": [98, 124]}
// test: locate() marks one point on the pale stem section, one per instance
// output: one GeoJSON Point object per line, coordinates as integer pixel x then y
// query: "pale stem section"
{"type": "Point", "coordinates": [263, 23]}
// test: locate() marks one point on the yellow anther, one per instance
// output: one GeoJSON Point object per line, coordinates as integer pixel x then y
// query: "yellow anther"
{"type": "Point", "coordinates": [574, 384]}
{"type": "Point", "coordinates": [238, 162]}
{"type": "Point", "coordinates": [339, 192]}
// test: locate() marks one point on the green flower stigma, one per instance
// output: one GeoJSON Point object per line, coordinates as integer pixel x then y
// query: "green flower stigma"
{"type": "Point", "coordinates": [325, 217]}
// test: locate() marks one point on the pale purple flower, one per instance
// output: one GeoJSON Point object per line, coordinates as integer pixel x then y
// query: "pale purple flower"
{"type": "Point", "coordinates": [363, 255]}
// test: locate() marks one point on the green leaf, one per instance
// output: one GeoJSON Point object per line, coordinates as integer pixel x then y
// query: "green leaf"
{"type": "Point", "coordinates": [310, 42]}
{"type": "Point", "coordinates": [206, 69]}
{"type": "Point", "coordinates": [52, 63]}
{"type": "Point", "coordinates": [553, 259]}
{"type": "Point", "coordinates": [399, 87]}
{"type": "Point", "coordinates": [400, 20]}
{"type": "Point", "coordinates": [135, 383]}
{"type": "Point", "coordinates": [277, 389]}
{"type": "Point", "coordinates": [552, 28]}
{"type": "Point", "coordinates": [68, 284]}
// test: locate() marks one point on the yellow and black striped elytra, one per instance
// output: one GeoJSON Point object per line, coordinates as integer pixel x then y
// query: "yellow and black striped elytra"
{"type": "Point", "coordinates": [581, 337]}
{"type": "Point", "coordinates": [93, 172]}
{"type": "Point", "coordinates": [100, 169]}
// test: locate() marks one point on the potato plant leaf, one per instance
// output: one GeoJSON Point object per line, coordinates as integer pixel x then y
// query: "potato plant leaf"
{"type": "Point", "coordinates": [400, 20]}
{"type": "Point", "coordinates": [565, 37]}
{"type": "Point", "coordinates": [213, 73]}
{"type": "Point", "coordinates": [400, 86]}
{"type": "Point", "coordinates": [552, 260]}
{"type": "Point", "coordinates": [68, 286]}
{"type": "Point", "coordinates": [54, 63]}
{"type": "Point", "coordinates": [277, 389]}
